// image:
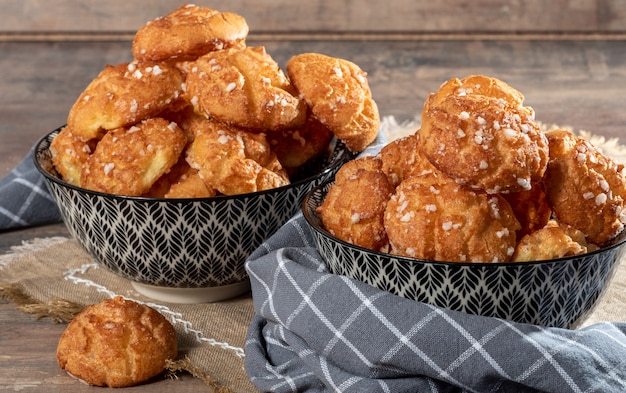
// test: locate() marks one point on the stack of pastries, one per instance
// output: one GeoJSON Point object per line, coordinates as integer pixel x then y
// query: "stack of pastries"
{"type": "Point", "coordinates": [198, 113]}
{"type": "Point", "coordinates": [479, 182]}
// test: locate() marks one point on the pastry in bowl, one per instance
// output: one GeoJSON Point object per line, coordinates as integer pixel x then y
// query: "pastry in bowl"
{"type": "Point", "coordinates": [188, 247]}
{"type": "Point", "coordinates": [480, 213]}
{"type": "Point", "coordinates": [124, 95]}
{"type": "Point", "coordinates": [441, 220]}
{"type": "Point", "coordinates": [477, 131]}
{"type": "Point", "coordinates": [585, 188]}
{"type": "Point", "coordinates": [354, 209]}
{"type": "Point", "coordinates": [175, 166]}
{"type": "Point", "coordinates": [189, 32]}
{"type": "Point", "coordinates": [339, 95]}
{"type": "Point", "coordinates": [245, 88]}
{"type": "Point", "coordinates": [559, 292]}
{"type": "Point", "coordinates": [485, 213]}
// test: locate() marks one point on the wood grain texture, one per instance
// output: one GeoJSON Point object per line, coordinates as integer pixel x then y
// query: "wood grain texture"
{"type": "Point", "coordinates": [576, 83]}
{"type": "Point", "coordinates": [515, 16]}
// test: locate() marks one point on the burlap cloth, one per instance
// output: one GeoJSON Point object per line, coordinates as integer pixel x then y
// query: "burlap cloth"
{"type": "Point", "coordinates": [50, 272]}
{"type": "Point", "coordinates": [54, 277]}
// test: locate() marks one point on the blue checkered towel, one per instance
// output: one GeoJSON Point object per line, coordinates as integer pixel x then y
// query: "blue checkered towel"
{"type": "Point", "coordinates": [24, 198]}
{"type": "Point", "coordinates": [318, 332]}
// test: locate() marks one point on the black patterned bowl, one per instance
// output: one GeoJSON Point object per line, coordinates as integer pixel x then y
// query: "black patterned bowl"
{"type": "Point", "coordinates": [558, 293]}
{"type": "Point", "coordinates": [178, 250]}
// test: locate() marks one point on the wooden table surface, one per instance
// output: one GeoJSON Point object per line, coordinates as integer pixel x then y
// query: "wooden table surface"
{"type": "Point", "coordinates": [578, 81]}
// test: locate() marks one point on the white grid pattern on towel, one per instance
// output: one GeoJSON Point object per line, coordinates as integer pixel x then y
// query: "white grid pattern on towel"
{"type": "Point", "coordinates": [347, 336]}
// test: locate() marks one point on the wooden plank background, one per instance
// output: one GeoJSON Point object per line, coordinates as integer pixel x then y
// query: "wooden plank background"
{"type": "Point", "coordinates": [118, 18]}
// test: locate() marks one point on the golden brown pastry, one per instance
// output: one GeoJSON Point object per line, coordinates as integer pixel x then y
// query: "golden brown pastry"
{"type": "Point", "coordinates": [244, 88]}
{"type": "Point", "coordinates": [188, 33]}
{"type": "Point", "coordinates": [185, 117]}
{"type": "Point", "coordinates": [574, 234]}
{"type": "Point", "coordinates": [295, 147]}
{"type": "Point", "coordinates": [117, 343]}
{"type": "Point", "coordinates": [531, 208]}
{"type": "Point", "coordinates": [182, 181]}
{"type": "Point", "coordinates": [123, 95]}
{"type": "Point", "coordinates": [354, 207]}
{"type": "Point", "coordinates": [233, 161]}
{"type": "Point", "coordinates": [437, 219]}
{"type": "Point", "coordinates": [339, 95]}
{"type": "Point", "coordinates": [190, 185]}
{"type": "Point", "coordinates": [403, 158]}
{"type": "Point", "coordinates": [550, 242]}
{"type": "Point", "coordinates": [350, 168]}
{"type": "Point", "coordinates": [69, 154]}
{"type": "Point", "coordinates": [476, 131]}
{"type": "Point", "coordinates": [480, 85]}
{"type": "Point", "coordinates": [190, 66]}
{"type": "Point", "coordinates": [584, 188]}
{"type": "Point", "coordinates": [128, 161]}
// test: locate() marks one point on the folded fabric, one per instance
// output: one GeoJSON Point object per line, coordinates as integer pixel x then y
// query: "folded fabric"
{"type": "Point", "coordinates": [24, 198]}
{"type": "Point", "coordinates": [318, 332]}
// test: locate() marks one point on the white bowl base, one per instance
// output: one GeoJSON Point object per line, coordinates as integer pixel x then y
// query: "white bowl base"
{"type": "Point", "coordinates": [192, 295]}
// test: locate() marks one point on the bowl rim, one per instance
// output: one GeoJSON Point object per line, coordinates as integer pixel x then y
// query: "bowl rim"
{"type": "Point", "coordinates": [343, 156]}
{"type": "Point", "coordinates": [312, 220]}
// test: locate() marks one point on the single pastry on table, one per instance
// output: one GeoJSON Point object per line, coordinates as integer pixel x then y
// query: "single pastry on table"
{"type": "Point", "coordinates": [477, 131]}
{"type": "Point", "coordinates": [585, 188]}
{"type": "Point", "coordinates": [117, 343]}
{"type": "Point", "coordinates": [187, 33]}
{"type": "Point", "coordinates": [338, 93]}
